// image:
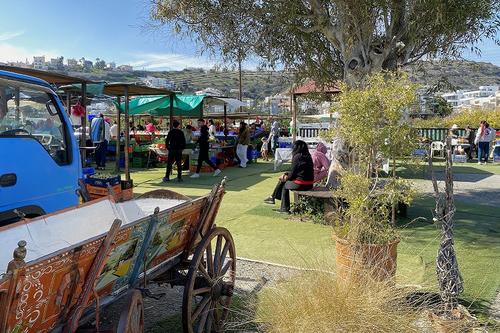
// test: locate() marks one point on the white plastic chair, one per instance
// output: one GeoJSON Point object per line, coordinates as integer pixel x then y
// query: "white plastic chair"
{"type": "Point", "coordinates": [437, 146]}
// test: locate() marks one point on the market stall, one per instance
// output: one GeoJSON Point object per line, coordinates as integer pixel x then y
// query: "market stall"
{"type": "Point", "coordinates": [126, 90]}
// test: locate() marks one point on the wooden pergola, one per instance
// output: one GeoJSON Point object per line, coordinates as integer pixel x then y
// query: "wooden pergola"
{"type": "Point", "coordinates": [126, 90]}
{"type": "Point", "coordinates": [308, 88]}
{"type": "Point", "coordinates": [58, 80]}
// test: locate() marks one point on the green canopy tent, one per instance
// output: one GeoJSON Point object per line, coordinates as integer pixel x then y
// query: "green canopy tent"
{"type": "Point", "coordinates": [189, 106]}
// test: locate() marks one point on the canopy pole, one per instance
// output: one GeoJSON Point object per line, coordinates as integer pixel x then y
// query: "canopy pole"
{"type": "Point", "coordinates": [294, 117]}
{"type": "Point", "coordinates": [225, 118]}
{"type": "Point", "coordinates": [83, 138]}
{"type": "Point", "coordinates": [118, 136]}
{"type": "Point", "coordinates": [68, 103]}
{"type": "Point", "coordinates": [127, 135]}
{"type": "Point", "coordinates": [171, 115]}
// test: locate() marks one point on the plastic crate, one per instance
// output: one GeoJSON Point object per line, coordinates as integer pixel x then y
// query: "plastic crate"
{"type": "Point", "coordinates": [100, 182]}
{"type": "Point", "coordinates": [139, 162]}
{"type": "Point", "coordinates": [101, 191]}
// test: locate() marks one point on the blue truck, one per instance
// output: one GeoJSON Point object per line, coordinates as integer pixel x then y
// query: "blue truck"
{"type": "Point", "coordinates": [39, 156]}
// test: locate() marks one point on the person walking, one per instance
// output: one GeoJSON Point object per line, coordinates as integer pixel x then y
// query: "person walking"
{"type": "Point", "coordinates": [175, 144]}
{"type": "Point", "coordinates": [300, 178]}
{"type": "Point", "coordinates": [484, 136]}
{"type": "Point", "coordinates": [242, 144]}
{"type": "Point", "coordinates": [274, 135]}
{"type": "Point", "coordinates": [100, 136]}
{"type": "Point", "coordinates": [469, 136]}
{"type": "Point", "coordinates": [203, 143]}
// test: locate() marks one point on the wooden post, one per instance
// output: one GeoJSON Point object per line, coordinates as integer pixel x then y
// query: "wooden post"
{"type": "Point", "coordinates": [117, 153]}
{"type": "Point", "coordinates": [127, 135]}
{"type": "Point", "coordinates": [83, 138]}
{"type": "Point", "coordinates": [171, 113]}
{"type": "Point", "coordinates": [225, 117]}
{"type": "Point", "coordinates": [241, 83]}
{"type": "Point", "coordinates": [294, 117]}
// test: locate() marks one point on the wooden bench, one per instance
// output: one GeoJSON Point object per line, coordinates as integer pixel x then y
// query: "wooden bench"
{"type": "Point", "coordinates": [330, 202]}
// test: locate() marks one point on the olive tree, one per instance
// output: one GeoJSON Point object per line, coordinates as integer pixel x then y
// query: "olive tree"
{"type": "Point", "coordinates": [331, 39]}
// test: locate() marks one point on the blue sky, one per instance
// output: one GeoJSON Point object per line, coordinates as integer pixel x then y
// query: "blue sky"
{"type": "Point", "coordinates": [114, 30]}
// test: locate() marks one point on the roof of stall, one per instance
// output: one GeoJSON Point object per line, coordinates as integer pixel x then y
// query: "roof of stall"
{"type": "Point", "coordinates": [50, 77]}
{"type": "Point", "coordinates": [310, 87]}
{"type": "Point", "coordinates": [134, 89]}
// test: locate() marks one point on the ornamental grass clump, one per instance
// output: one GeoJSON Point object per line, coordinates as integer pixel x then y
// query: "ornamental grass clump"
{"type": "Point", "coordinates": [315, 302]}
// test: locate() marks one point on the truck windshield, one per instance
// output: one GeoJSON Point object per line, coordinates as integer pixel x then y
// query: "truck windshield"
{"type": "Point", "coordinates": [26, 110]}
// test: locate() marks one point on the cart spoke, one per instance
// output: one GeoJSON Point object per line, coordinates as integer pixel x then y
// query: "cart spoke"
{"type": "Point", "coordinates": [224, 253]}
{"type": "Point", "coordinates": [203, 290]}
{"type": "Point", "coordinates": [203, 304]}
{"type": "Point", "coordinates": [203, 319]}
{"type": "Point", "coordinates": [210, 262]}
{"type": "Point", "coordinates": [217, 254]}
{"type": "Point", "coordinates": [204, 272]}
{"type": "Point", "coordinates": [224, 269]}
{"type": "Point", "coordinates": [210, 319]}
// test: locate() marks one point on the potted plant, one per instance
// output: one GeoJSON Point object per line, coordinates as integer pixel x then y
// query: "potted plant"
{"type": "Point", "coordinates": [372, 127]}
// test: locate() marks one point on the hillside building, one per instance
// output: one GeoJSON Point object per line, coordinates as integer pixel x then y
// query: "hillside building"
{"type": "Point", "coordinates": [277, 104]}
{"type": "Point", "coordinates": [39, 63]}
{"type": "Point", "coordinates": [485, 97]}
{"type": "Point", "coordinates": [159, 82]}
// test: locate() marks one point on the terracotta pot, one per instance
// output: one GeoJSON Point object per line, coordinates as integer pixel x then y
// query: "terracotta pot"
{"type": "Point", "coordinates": [445, 325]}
{"type": "Point", "coordinates": [357, 261]}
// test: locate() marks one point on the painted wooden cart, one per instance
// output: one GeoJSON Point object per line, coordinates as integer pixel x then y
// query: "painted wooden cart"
{"type": "Point", "coordinates": [64, 270]}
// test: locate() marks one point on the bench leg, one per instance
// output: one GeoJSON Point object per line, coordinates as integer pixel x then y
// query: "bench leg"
{"type": "Point", "coordinates": [295, 197]}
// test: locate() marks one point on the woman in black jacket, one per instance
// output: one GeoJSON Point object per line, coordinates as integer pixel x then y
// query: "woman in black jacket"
{"type": "Point", "coordinates": [300, 178]}
{"type": "Point", "coordinates": [203, 155]}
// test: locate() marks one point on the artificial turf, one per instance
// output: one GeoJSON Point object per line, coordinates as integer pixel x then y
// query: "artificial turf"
{"type": "Point", "coordinates": [262, 234]}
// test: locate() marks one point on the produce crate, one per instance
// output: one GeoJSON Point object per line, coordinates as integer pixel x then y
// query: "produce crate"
{"type": "Point", "coordinates": [97, 191]}
{"type": "Point", "coordinates": [139, 162]}
{"type": "Point", "coordinates": [204, 168]}
{"type": "Point", "coordinates": [103, 182]}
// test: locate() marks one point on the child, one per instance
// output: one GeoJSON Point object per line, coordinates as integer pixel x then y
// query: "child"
{"type": "Point", "coordinates": [263, 150]}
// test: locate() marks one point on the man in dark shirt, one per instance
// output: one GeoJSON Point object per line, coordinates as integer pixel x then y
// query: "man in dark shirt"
{"type": "Point", "coordinates": [175, 144]}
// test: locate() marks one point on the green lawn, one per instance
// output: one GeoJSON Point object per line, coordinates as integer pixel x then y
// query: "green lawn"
{"type": "Point", "coordinates": [262, 234]}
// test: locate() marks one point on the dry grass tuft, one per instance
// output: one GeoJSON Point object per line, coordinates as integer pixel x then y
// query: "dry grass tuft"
{"type": "Point", "coordinates": [315, 302]}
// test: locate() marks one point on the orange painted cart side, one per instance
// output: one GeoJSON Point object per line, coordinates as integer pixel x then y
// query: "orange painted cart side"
{"type": "Point", "coordinates": [177, 246]}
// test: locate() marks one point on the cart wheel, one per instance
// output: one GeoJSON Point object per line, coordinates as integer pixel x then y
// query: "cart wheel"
{"type": "Point", "coordinates": [132, 317]}
{"type": "Point", "coordinates": [210, 283]}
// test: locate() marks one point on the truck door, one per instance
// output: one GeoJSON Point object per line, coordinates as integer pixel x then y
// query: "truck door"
{"type": "Point", "coordinates": [39, 160]}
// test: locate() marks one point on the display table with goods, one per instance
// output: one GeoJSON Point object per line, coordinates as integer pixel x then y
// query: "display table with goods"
{"type": "Point", "coordinates": [496, 148]}
{"type": "Point", "coordinates": [459, 145]}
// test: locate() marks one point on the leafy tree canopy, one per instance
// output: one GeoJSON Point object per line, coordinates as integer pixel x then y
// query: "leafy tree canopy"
{"type": "Point", "coordinates": [333, 39]}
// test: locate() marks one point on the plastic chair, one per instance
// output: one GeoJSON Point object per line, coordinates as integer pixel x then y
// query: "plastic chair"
{"type": "Point", "coordinates": [437, 146]}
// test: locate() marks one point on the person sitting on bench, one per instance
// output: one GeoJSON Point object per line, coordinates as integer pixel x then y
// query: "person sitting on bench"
{"type": "Point", "coordinates": [300, 178]}
{"type": "Point", "coordinates": [321, 162]}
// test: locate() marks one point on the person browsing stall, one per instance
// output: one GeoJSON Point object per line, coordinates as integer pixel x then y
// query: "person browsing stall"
{"type": "Point", "coordinates": [243, 142]}
{"type": "Point", "coordinates": [175, 144]}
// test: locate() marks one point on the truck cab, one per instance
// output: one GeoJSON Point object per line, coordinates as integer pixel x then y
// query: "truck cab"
{"type": "Point", "coordinates": [39, 156]}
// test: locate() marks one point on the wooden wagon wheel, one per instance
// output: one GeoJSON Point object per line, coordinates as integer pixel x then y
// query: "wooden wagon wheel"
{"type": "Point", "coordinates": [132, 317]}
{"type": "Point", "coordinates": [210, 283]}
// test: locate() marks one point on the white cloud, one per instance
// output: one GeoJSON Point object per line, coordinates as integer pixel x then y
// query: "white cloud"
{"type": "Point", "coordinates": [10, 35]}
{"type": "Point", "coordinates": [9, 52]}
{"type": "Point", "coordinates": [170, 61]}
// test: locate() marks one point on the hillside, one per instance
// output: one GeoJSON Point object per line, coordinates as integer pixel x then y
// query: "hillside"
{"type": "Point", "coordinates": [259, 84]}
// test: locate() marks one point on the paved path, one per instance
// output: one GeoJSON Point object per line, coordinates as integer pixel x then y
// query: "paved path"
{"type": "Point", "coordinates": [469, 188]}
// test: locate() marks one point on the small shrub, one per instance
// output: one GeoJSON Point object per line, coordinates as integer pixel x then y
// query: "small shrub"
{"type": "Point", "coordinates": [310, 208]}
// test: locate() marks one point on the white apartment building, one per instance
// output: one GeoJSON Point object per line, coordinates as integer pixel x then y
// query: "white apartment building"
{"type": "Point", "coordinates": [485, 96]}
{"type": "Point", "coordinates": [159, 82]}
{"type": "Point", "coordinates": [72, 63]}
{"type": "Point", "coordinates": [277, 103]}
{"type": "Point", "coordinates": [39, 63]}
